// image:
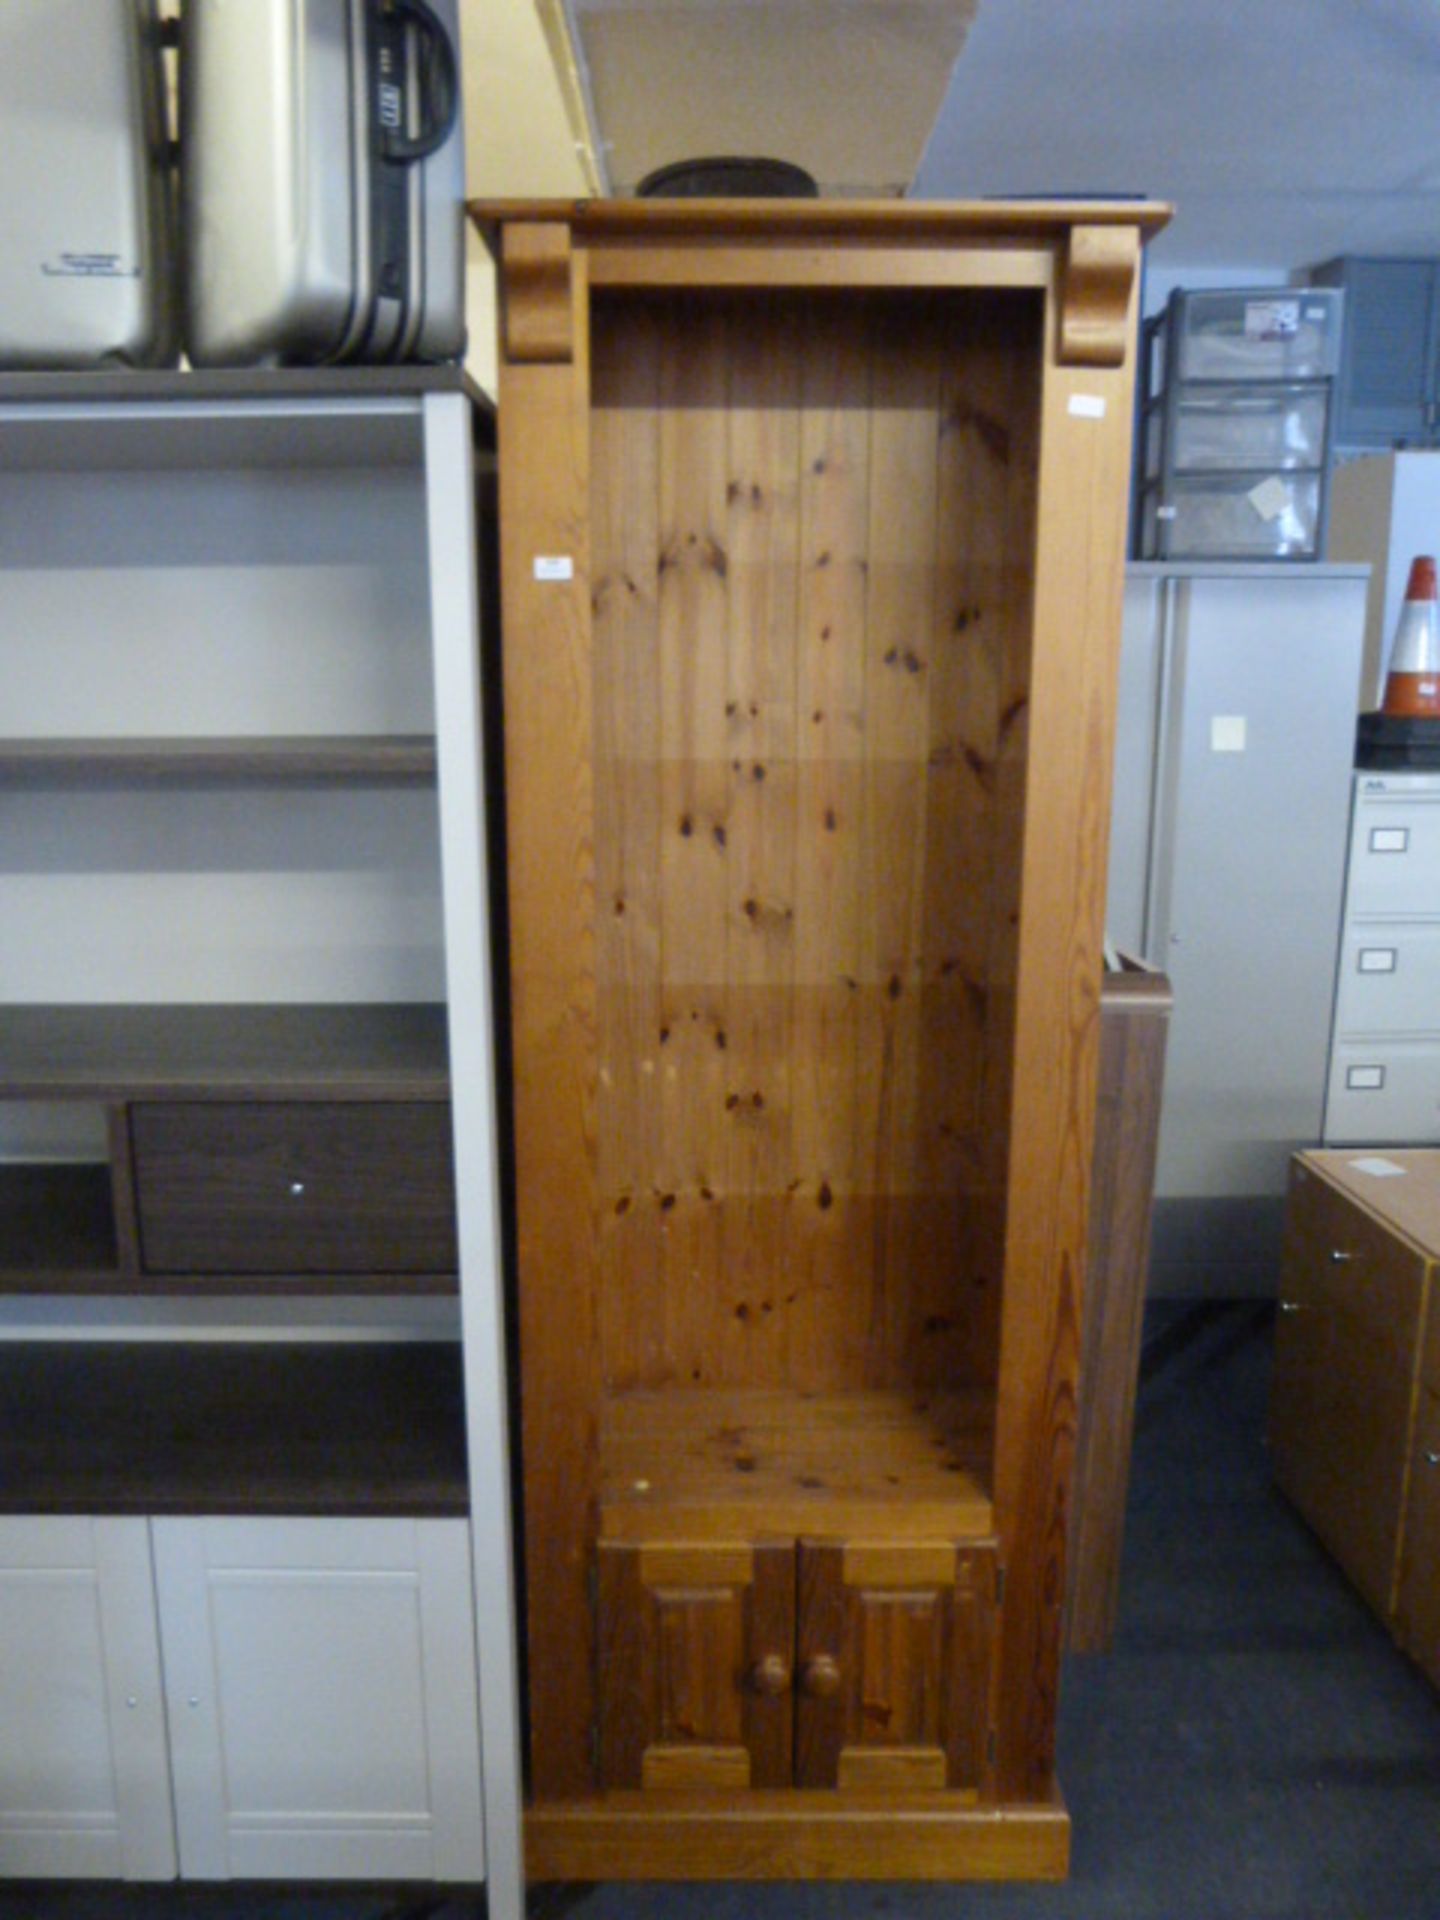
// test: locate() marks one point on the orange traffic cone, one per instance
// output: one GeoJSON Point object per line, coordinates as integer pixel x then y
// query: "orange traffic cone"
{"type": "Point", "coordinates": [1412, 687]}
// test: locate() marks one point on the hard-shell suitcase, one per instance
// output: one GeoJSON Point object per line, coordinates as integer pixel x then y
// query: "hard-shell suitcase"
{"type": "Point", "coordinates": [322, 181]}
{"type": "Point", "coordinates": [87, 253]}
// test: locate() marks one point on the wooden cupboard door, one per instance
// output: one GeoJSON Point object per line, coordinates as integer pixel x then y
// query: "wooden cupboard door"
{"type": "Point", "coordinates": [696, 1655]}
{"type": "Point", "coordinates": [895, 1667]}
{"type": "Point", "coordinates": [1351, 1295]}
{"type": "Point", "coordinates": [84, 1770]}
{"type": "Point", "coordinates": [322, 1700]}
{"type": "Point", "coordinates": [1417, 1607]}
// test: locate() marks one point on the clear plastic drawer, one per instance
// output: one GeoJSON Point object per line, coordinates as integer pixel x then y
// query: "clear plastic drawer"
{"type": "Point", "coordinates": [1284, 333]}
{"type": "Point", "coordinates": [1274, 516]}
{"type": "Point", "coordinates": [1241, 426]}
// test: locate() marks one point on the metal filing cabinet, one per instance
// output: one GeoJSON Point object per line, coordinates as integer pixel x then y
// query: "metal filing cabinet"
{"type": "Point", "coordinates": [1384, 1082]}
{"type": "Point", "coordinates": [1234, 752]}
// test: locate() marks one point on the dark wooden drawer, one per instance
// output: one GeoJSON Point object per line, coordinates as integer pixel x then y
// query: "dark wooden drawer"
{"type": "Point", "coordinates": [1417, 1609]}
{"type": "Point", "coordinates": [294, 1187]}
{"type": "Point", "coordinates": [1338, 1252]}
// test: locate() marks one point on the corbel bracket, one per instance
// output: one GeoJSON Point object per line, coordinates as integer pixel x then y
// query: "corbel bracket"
{"type": "Point", "coordinates": [1095, 289]}
{"type": "Point", "coordinates": [536, 267]}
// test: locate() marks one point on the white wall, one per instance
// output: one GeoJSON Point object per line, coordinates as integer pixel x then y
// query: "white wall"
{"type": "Point", "coordinates": [1160, 282]}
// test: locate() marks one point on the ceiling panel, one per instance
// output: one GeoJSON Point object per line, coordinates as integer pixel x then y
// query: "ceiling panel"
{"type": "Point", "coordinates": [847, 89]}
{"type": "Point", "coordinates": [1282, 134]}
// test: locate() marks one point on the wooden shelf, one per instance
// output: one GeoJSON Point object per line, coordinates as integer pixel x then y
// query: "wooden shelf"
{"type": "Point", "coordinates": [707, 1465]}
{"type": "Point", "coordinates": [57, 1228]}
{"type": "Point", "coordinates": [311, 759]}
{"type": "Point", "coordinates": [191, 1427]}
{"type": "Point", "coordinates": [221, 1052]}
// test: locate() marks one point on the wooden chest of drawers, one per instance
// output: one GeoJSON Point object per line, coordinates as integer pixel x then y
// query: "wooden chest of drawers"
{"type": "Point", "coordinates": [1355, 1415]}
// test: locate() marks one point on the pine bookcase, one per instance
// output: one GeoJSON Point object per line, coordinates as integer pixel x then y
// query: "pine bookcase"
{"type": "Point", "coordinates": [812, 532]}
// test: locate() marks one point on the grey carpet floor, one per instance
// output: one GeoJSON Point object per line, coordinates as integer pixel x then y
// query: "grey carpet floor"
{"type": "Point", "coordinates": [1253, 1749]}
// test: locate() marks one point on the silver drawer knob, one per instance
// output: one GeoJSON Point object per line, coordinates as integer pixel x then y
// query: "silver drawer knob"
{"type": "Point", "coordinates": [1432, 1459]}
{"type": "Point", "coordinates": [1338, 1254]}
{"type": "Point", "coordinates": [297, 1187]}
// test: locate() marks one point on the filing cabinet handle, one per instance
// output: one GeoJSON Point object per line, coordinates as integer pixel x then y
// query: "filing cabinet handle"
{"type": "Point", "coordinates": [821, 1677]}
{"type": "Point", "coordinates": [770, 1675]}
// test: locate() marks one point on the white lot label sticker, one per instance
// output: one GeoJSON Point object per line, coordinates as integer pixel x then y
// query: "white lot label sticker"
{"type": "Point", "coordinates": [1088, 406]}
{"type": "Point", "coordinates": [1378, 1168]}
{"type": "Point", "coordinates": [1227, 733]}
{"type": "Point", "coordinates": [1272, 319]}
{"type": "Point", "coordinates": [554, 566]}
{"type": "Point", "coordinates": [1269, 499]}
{"type": "Point", "coordinates": [1378, 959]}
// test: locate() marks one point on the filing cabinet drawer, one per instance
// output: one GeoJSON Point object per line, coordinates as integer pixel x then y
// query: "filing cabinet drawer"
{"type": "Point", "coordinates": [294, 1187]}
{"type": "Point", "coordinates": [1384, 1092]}
{"type": "Point", "coordinates": [1395, 847]}
{"type": "Point", "coordinates": [1389, 979]}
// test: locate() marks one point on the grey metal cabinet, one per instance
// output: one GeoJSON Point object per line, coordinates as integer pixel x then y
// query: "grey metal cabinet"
{"type": "Point", "coordinates": [1384, 1085]}
{"type": "Point", "coordinates": [1235, 744]}
{"type": "Point", "coordinates": [1389, 387]}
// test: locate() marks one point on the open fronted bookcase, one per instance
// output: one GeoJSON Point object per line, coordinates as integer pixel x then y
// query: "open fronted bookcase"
{"type": "Point", "coordinates": [812, 525]}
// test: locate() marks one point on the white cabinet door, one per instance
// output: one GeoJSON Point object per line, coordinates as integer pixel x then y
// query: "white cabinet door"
{"type": "Point", "coordinates": [321, 1690]}
{"type": "Point", "coordinates": [1252, 797]}
{"type": "Point", "coordinates": [84, 1774]}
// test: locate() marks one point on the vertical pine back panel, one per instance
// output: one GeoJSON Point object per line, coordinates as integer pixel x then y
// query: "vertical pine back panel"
{"type": "Point", "coordinates": [813, 533]}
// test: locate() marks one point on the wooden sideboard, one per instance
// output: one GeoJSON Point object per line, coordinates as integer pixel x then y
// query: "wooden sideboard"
{"type": "Point", "coordinates": [1355, 1415]}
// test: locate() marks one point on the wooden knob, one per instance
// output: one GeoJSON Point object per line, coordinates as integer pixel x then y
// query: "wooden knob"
{"type": "Point", "coordinates": [821, 1677]}
{"type": "Point", "coordinates": [770, 1675]}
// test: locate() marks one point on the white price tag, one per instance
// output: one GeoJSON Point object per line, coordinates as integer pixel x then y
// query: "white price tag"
{"type": "Point", "coordinates": [1378, 1169]}
{"type": "Point", "coordinates": [554, 566]}
{"type": "Point", "coordinates": [1269, 499]}
{"type": "Point", "coordinates": [1088, 406]}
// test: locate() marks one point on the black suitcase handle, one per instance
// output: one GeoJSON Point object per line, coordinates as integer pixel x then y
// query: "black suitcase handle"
{"type": "Point", "coordinates": [439, 87]}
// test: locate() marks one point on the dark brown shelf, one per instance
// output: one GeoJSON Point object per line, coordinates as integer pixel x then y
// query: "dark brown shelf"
{"type": "Point", "coordinates": [396, 1052]}
{"type": "Point", "coordinates": [57, 1228]}
{"type": "Point", "coordinates": [353, 759]}
{"type": "Point", "coordinates": [106, 1283]}
{"type": "Point", "coordinates": [264, 1428]}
